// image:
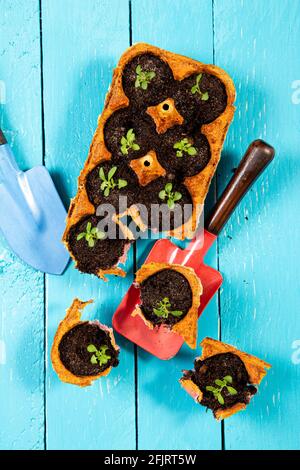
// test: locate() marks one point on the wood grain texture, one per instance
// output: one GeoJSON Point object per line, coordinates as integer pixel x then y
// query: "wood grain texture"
{"type": "Point", "coordinates": [21, 288]}
{"type": "Point", "coordinates": [80, 47]}
{"type": "Point", "coordinates": [257, 44]}
{"type": "Point", "coordinates": [259, 249]}
{"type": "Point", "coordinates": [167, 417]}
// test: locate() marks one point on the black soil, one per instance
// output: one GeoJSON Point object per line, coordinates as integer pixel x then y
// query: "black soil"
{"type": "Point", "coordinates": [173, 218]}
{"type": "Point", "coordinates": [165, 283]}
{"type": "Point", "coordinates": [104, 255]}
{"type": "Point", "coordinates": [96, 195]}
{"type": "Point", "coordinates": [194, 110]}
{"type": "Point", "coordinates": [117, 127]}
{"type": "Point", "coordinates": [159, 87]}
{"type": "Point", "coordinates": [187, 165]}
{"type": "Point", "coordinates": [217, 367]}
{"type": "Point", "coordinates": [73, 349]}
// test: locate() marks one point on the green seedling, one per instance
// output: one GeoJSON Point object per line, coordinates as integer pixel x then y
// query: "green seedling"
{"type": "Point", "coordinates": [143, 78]}
{"type": "Point", "coordinates": [221, 384]}
{"type": "Point", "coordinates": [196, 89]}
{"type": "Point", "coordinates": [128, 143]}
{"type": "Point", "coordinates": [169, 195]}
{"type": "Point", "coordinates": [108, 183]}
{"type": "Point", "coordinates": [184, 146]}
{"type": "Point", "coordinates": [91, 235]}
{"type": "Point", "coordinates": [99, 355]}
{"type": "Point", "coordinates": [163, 309]}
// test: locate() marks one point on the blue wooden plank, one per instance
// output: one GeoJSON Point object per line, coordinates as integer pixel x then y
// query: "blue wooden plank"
{"type": "Point", "coordinates": [81, 45]}
{"type": "Point", "coordinates": [21, 288]}
{"type": "Point", "coordinates": [167, 417]}
{"type": "Point", "coordinates": [257, 42]}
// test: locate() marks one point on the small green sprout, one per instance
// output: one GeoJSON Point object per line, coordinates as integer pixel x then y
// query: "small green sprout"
{"type": "Point", "coordinates": [108, 183]}
{"type": "Point", "coordinates": [143, 78]}
{"type": "Point", "coordinates": [92, 234]}
{"type": "Point", "coordinates": [184, 146]}
{"type": "Point", "coordinates": [171, 196]}
{"type": "Point", "coordinates": [128, 142]}
{"type": "Point", "coordinates": [163, 309]}
{"type": "Point", "coordinates": [196, 89]}
{"type": "Point", "coordinates": [100, 355]}
{"type": "Point", "coordinates": [217, 391]}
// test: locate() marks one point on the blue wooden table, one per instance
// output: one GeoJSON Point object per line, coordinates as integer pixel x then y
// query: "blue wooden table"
{"type": "Point", "coordinates": [56, 62]}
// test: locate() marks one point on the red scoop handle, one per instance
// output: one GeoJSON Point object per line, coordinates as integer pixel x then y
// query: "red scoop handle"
{"type": "Point", "coordinates": [257, 157]}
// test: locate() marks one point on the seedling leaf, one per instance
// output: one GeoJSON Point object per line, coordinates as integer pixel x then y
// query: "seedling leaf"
{"type": "Point", "coordinates": [162, 194]}
{"type": "Point", "coordinates": [171, 196]}
{"type": "Point", "coordinates": [100, 355]}
{"type": "Point", "coordinates": [80, 236]}
{"type": "Point", "coordinates": [220, 399]}
{"type": "Point", "coordinates": [122, 183]}
{"type": "Point", "coordinates": [91, 235]}
{"type": "Point", "coordinates": [143, 78]}
{"type": "Point", "coordinates": [184, 146]}
{"type": "Point", "coordinates": [109, 183]}
{"type": "Point", "coordinates": [128, 142]}
{"type": "Point", "coordinates": [91, 242]}
{"type": "Point", "coordinates": [219, 382]}
{"type": "Point", "coordinates": [171, 203]}
{"type": "Point", "coordinates": [176, 313]}
{"type": "Point", "coordinates": [196, 89]}
{"type": "Point", "coordinates": [228, 379]}
{"type": "Point", "coordinates": [101, 174]}
{"type": "Point", "coordinates": [222, 384]}
{"type": "Point", "coordinates": [94, 359]}
{"type": "Point", "coordinates": [163, 309]}
{"type": "Point", "coordinates": [177, 196]}
{"type": "Point", "coordinates": [111, 172]}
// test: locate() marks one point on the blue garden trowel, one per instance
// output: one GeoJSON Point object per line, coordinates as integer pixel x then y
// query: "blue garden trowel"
{"type": "Point", "coordinates": [32, 216]}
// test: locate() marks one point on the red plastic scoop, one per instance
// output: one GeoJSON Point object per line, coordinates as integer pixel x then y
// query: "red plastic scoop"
{"type": "Point", "coordinates": [161, 341]}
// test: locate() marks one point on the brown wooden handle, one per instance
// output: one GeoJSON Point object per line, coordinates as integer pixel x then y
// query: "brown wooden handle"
{"type": "Point", "coordinates": [255, 160]}
{"type": "Point", "coordinates": [2, 138]}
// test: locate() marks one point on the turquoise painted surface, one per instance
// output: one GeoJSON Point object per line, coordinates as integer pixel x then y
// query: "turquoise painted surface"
{"type": "Point", "coordinates": [260, 295]}
{"type": "Point", "coordinates": [257, 253]}
{"type": "Point", "coordinates": [77, 72]}
{"type": "Point", "coordinates": [21, 288]}
{"type": "Point", "coordinates": [158, 387]}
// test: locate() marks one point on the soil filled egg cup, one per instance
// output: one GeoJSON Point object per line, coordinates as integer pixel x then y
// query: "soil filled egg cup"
{"type": "Point", "coordinates": [224, 379]}
{"type": "Point", "coordinates": [169, 298]}
{"type": "Point", "coordinates": [83, 351]}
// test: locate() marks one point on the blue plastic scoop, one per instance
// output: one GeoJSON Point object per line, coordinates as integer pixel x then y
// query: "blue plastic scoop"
{"type": "Point", "coordinates": [32, 216]}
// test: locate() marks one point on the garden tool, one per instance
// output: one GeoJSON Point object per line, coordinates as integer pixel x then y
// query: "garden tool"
{"type": "Point", "coordinates": [32, 216]}
{"type": "Point", "coordinates": [161, 341]}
